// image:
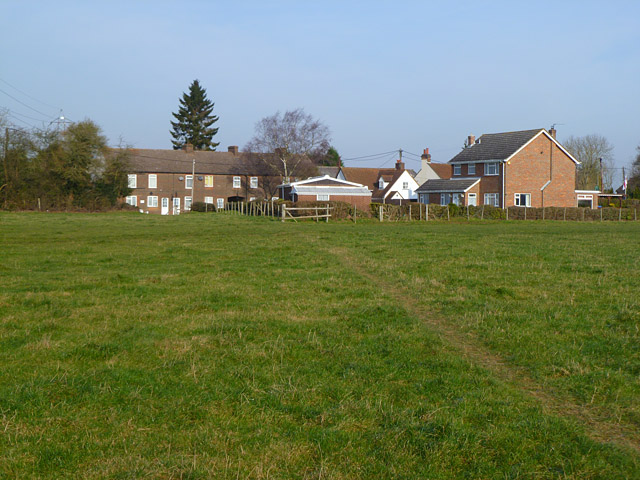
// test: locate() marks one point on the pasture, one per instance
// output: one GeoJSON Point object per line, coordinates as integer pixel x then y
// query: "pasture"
{"type": "Point", "coordinates": [222, 346]}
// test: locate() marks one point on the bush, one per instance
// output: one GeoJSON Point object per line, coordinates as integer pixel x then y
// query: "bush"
{"type": "Point", "coordinates": [203, 207]}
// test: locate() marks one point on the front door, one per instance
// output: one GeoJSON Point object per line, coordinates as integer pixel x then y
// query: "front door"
{"type": "Point", "coordinates": [176, 206]}
{"type": "Point", "coordinates": [165, 206]}
{"type": "Point", "coordinates": [472, 200]}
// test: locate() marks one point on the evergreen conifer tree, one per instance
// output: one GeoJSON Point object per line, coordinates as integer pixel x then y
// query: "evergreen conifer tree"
{"type": "Point", "coordinates": [194, 120]}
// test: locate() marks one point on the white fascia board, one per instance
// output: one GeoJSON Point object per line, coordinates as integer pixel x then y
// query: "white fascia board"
{"type": "Point", "coordinates": [541, 132]}
{"type": "Point", "coordinates": [590, 191]}
{"type": "Point", "coordinates": [327, 177]}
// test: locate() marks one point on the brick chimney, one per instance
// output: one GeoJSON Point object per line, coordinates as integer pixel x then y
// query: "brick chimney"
{"type": "Point", "coordinates": [399, 165]}
{"type": "Point", "coordinates": [471, 139]}
{"type": "Point", "coordinates": [233, 149]}
{"type": "Point", "coordinates": [187, 147]}
{"type": "Point", "coordinates": [552, 132]}
{"type": "Point", "coordinates": [426, 155]}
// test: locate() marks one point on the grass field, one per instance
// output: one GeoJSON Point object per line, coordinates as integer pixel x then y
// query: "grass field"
{"type": "Point", "coordinates": [218, 346]}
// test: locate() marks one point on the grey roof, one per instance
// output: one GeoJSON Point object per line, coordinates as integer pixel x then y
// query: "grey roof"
{"type": "Point", "coordinates": [457, 185]}
{"type": "Point", "coordinates": [495, 146]}
{"type": "Point", "coordinates": [180, 161]}
{"type": "Point", "coordinates": [331, 171]}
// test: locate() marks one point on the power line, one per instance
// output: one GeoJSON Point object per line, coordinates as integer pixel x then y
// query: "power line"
{"type": "Point", "coordinates": [369, 156]}
{"type": "Point", "coordinates": [22, 103]}
{"type": "Point", "coordinates": [27, 95]}
{"type": "Point", "coordinates": [25, 116]}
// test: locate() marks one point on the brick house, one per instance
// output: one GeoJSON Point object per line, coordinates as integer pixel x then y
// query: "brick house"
{"type": "Point", "coordinates": [168, 181]}
{"type": "Point", "coordinates": [528, 168]}
{"type": "Point", "coordinates": [326, 188]}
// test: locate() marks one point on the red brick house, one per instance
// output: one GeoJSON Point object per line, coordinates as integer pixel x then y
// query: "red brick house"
{"type": "Point", "coordinates": [167, 182]}
{"type": "Point", "coordinates": [527, 168]}
{"type": "Point", "coordinates": [326, 188]}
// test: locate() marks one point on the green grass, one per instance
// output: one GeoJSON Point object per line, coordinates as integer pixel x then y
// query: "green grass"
{"type": "Point", "coordinates": [217, 346]}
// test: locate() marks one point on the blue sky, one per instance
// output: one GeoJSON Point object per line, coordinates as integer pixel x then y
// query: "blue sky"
{"type": "Point", "coordinates": [382, 75]}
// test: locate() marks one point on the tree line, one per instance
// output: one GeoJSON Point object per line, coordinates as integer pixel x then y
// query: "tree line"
{"type": "Point", "coordinates": [61, 170]}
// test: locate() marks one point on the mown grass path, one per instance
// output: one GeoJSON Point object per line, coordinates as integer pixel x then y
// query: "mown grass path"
{"type": "Point", "coordinates": [218, 346]}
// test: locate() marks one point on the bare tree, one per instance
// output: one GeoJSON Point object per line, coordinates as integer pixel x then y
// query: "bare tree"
{"type": "Point", "coordinates": [634, 177]}
{"type": "Point", "coordinates": [589, 150]}
{"type": "Point", "coordinates": [287, 142]}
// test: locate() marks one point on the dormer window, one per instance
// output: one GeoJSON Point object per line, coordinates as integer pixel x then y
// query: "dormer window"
{"type": "Point", "coordinates": [381, 183]}
{"type": "Point", "coordinates": [457, 169]}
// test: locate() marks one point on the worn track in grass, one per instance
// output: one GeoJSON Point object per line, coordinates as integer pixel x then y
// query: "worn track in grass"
{"type": "Point", "coordinates": [551, 401]}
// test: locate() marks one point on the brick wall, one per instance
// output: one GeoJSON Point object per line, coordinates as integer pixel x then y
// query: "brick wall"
{"type": "Point", "coordinates": [533, 166]}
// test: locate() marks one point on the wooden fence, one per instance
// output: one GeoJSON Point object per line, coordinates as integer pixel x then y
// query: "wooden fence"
{"type": "Point", "coordinates": [316, 213]}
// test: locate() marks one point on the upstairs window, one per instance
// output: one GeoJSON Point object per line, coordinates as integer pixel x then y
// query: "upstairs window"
{"type": "Point", "coordinates": [405, 185]}
{"type": "Point", "coordinates": [153, 180]}
{"type": "Point", "coordinates": [236, 182]}
{"type": "Point", "coordinates": [471, 169]}
{"type": "Point", "coordinates": [381, 184]}
{"type": "Point", "coordinates": [208, 181]}
{"type": "Point", "coordinates": [132, 181]}
{"type": "Point", "coordinates": [457, 169]}
{"type": "Point", "coordinates": [254, 182]}
{"type": "Point", "coordinates": [188, 182]}
{"type": "Point", "coordinates": [491, 169]}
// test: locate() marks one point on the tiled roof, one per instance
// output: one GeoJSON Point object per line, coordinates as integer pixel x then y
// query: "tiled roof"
{"type": "Point", "coordinates": [180, 161]}
{"type": "Point", "coordinates": [366, 176]}
{"type": "Point", "coordinates": [495, 146]}
{"type": "Point", "coordinates": [443, 170]}
{"type": "Point", "coordinates": [447, 186]}
{"type": "Point", "coordinates": [331, 171]}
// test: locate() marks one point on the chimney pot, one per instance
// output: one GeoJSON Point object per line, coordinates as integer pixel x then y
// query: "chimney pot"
{"type": "Point", "coordinates": [552, 132]}
{"type": "Point", "coordinates": [426, 155]}
{"type": "Point", "coordinates": [471, 140]}
{"type": "Point", "coordinates": [399, 165]}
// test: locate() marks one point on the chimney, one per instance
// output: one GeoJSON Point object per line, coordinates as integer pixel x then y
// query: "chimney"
{"type": "Point", "coordinates": [426, 155]}
{"type": "Point", "coordinates": [233, 149]}
{"type": "Point", "coordinates": [471, 139]}
{"type": "Point", "coordinates": [552, 132]}
{"type": "Point", "coordinates": [187, 147]}
{"type": "Point", "coordinates": [399, 165]}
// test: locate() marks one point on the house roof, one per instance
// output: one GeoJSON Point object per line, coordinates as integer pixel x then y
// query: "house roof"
{"type": "Point", "coordinates": [328, 185]}
{"type": "Point", "coordinates": [443, 170]}
{"type": "Point", "coordinates": [496, 146]}
{"type": "Point", "coordinates": [367, 176]}
{"type": "Point", "coordinates": [331, 171]}
{"type": "Point", "coordinates": [458, 185]}
{"type": "Point", "coordinates": [180, 161]}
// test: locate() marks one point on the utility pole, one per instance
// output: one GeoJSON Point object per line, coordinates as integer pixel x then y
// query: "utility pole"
{"type": "Point", "coordinates": [193, 184]}
{"type": "Point", "coordinates": [601, 188]}
{"type": "Point", "coordinates": [4, 158]}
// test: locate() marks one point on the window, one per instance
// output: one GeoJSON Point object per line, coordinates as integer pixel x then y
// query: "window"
{"type": "Point", "coordinates": [132, 181]}
{"type": "Point", "coordinates": [523, 199]}
{"type": "Point", "coordinates": [444, 199]}
{"type": "Point", "coordinates": [405, 185]}
{"type": "Point", "coordinates": [322, 197]}
{"type": "Point", "coordinates": [208, 181]}
{"type": "Point", "coordinates": [188, 182]}
{"type": "Point", "coordinates": [492, 198]}
{"type": "Point", "coordinates": [252, 199]}
{"type": "Point", "coordinates": [472, 200]}
{"type": "Point", "coordinates": [221, 203]}
{"type": "Point", "coordinates": [236, 182]}
{"type": "Point", "coordinates": [254, 182]}
{"type": "Point", "coordinates": [132, 200]}
{"type": "Point", "coordinates": [152, 201]}
{"type": "Point", "coordinates": [491, 169]}
{"type": "Point", "coordinates": [455, 199]}
{"type": "Point", "coordinates": [457, 169]}
{"type": "Point", "coordinates": [187, 203]}
{"type": "Point", "coordinates": [381, 184]}
{"type": "Point", "coordinates": [153, 180]}
{"type": "Point", "coordinates": [208, 200]}
{"type": "Point", "coordinates": [471, 169]}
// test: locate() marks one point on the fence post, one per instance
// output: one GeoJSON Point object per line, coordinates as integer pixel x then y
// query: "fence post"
{"type": "Point", "coordinates": [507, 210]}
{"type": "Point", "coordinates": [380, 213]}
{"type": "Point", "coordinates": [482, 214]}
{"type": "Point", "coordinates": [620, 213]}
{"type": "Point", "coordinates": [467, 212]}
{"type": "Point", "coordinates": [283, 210]}
{"type": "Point", "coordinates": [427, 213]}
{"type": "Point", "coordinates": [316, 219]}
{"type": "Point", "coordinates": [564, 218]}
{"type": "Point", "coordinates": [355, 213]}
{"type": "Point", "coordinates": [327, 217]}
{"type": "Point", "coordinates": [448, 213]}
{"type": "Point", "coordinates": [409, 212]}
{"type": "Point", "coordinates": [543, 213]}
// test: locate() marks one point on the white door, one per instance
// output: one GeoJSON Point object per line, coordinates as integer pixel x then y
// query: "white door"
{"type": "Point", "coordinates": [472, 200]}
{"type": "Point", "coordinates": [176, 206]}
{"type": "Point", "coordinates": [165, 206]}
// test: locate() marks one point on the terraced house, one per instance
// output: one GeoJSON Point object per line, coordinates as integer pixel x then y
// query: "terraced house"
{"type": "Point", "coordinates": [528, 168]}
{"type": "Point", "coordinates": [167, 182]}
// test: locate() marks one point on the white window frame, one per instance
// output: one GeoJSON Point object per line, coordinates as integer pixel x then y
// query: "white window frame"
{"type": "Point", "coordinates": [237, 182]}
{"type": "Point", "coordinates": [254, 182]}
{"type": "Point", "coordinates": [132, 180]}
{"type": "Point", "coordinates": [380, 184]}
{"type": "Point", "coordinates": [322, 197]}
{"type": "Point", "coordinates": [153, 180]}
{"type": "Point", "coordinates": [152, 201]}
{"type": "Point", "coordinates": [208, 181]}
{"type": "Point", "coordinates": [132, 200]}
{"type": "Point", "coordinates": [455, 198]}
{"type": "Point", "coordinates": [188, 182]}
{"type": "Point", "coordinates": [519, 197]}
{"type": "Point", "coordinates": [492, 199]}
{"type": "Point", "coordinates": [208, 200]}
{"type": "Point", "coordinates": [491, 169]}
{"type": "Point", "coordinates": [187, 203]}
{"type": "Point", "coordinates": [457, 169]}
{"type": "Point", "coordinates": [220, 202]}
{"type": "Point", "coordinates": [443, 199]}
{"type": "Point", "coordinates": [471, 196]}
{"type": "Point", "coordinates": [471, 169]}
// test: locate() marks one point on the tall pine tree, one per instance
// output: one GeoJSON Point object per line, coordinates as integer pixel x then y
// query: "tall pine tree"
{"type": "Point", "coordinates": [194, 120]}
